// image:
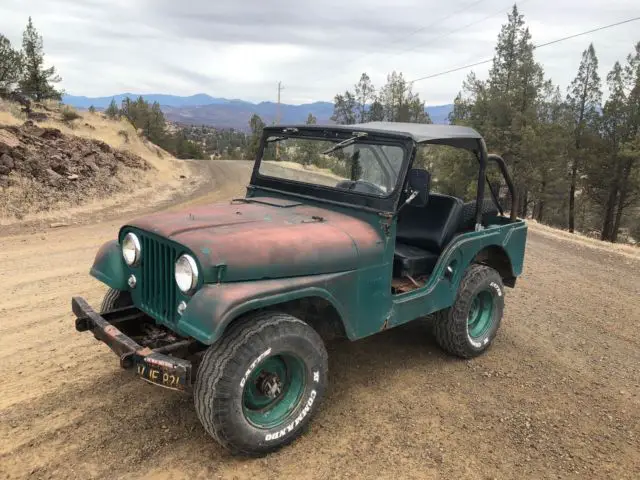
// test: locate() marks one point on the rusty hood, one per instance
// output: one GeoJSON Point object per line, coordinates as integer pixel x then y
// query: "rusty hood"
{"type": "Point", "coordinates": [268, 239]}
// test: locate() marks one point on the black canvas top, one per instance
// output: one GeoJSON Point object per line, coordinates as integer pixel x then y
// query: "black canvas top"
{"type": "Point", "coordinates": [418, 132]}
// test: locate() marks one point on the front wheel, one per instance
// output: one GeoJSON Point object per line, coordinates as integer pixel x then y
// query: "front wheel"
{"type": "Point", "coordinates": [259, 385]}
{"type": "Point", "coordinates": [114, 299]}
{"type": "Point", "coordinates": [467, 328]}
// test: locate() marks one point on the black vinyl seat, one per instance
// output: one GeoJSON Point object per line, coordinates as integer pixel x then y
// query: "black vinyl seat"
{"type": "Point", "coordinates": [412, 261]}
{"type": "Point", "coordinates": [423, 232]}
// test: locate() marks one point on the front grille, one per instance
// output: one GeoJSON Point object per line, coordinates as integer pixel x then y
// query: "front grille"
{"type": "Point", "coordinates": [158, 292]}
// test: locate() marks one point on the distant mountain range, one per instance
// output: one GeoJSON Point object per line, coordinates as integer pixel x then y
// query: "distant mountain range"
{"type": "Point", "coordinates": [203, 109]}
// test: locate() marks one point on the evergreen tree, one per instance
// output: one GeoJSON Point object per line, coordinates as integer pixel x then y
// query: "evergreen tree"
{"type": "Point", "coordinates": [344, 109]}
{"type": "Point", "coordinates": [614, 121]}
{"type": "Point", "coordinates": [583, 101]}
{"type": "Point", "coordinates": [399, 102]}
{"type": "Point", "coordinates": [92, 109]}
{"type": "Point", "coordinates": [376, 111]}
{"type": "Point", "coordinates": [10, 66]}
{"type": "Point", "coordinates": [309, 150]}
{"type": "Point", "coordinates": [365, 93]}
{"type": "Point", "coordinates": [256, 125]}
{"type": "Point", "coordinates": [112, 110]}
{"type": "Point", "coordinates": [37, 81]}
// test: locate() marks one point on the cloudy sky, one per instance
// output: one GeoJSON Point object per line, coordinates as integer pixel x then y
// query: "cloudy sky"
{"type": "Point", "coordinates": [240, 49]}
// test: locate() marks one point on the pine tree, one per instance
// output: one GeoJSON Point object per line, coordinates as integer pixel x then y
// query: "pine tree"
{"type": "Point", "coordinates": [514, 85]}
{"type": "Point", "coordinates": [583, 101]}
{"type": "Point", "coordinates": [399, 102]}
{"type": "Point", "coordinates": [365, 93]}
{"type": "Point", "coordinates": [614, 121]}
{"type": "Point", "coordinates": [376, 111]}
{"type": "Point", "coordinates": [37, 81]}
{"type": "Point", "coordinates": [112, 110]}
{"type": "Point", "coordinates": [256, 125]}
{"type": "Point", "coordinates": [10, 66]}
{"type": "Point", "coordinates": [629, 183]}
{"type": "Point", "coordinates": [344, 109]}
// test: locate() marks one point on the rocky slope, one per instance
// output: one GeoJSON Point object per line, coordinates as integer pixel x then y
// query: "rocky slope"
{"type": "Point", "coordinates": [43, 168]}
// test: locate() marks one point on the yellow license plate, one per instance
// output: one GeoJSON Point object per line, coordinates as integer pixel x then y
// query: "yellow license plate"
{"type": "Point", "coordinates": [159, 376]}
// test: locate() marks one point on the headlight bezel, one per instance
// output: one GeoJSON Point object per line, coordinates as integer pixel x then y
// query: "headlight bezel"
{"type": "Point", "coordinates": [137, 249]}
{"type": "Point", "coordinates": [195, 273]}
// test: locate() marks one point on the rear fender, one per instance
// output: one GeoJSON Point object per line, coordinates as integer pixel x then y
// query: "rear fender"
{"type": "Point", "coordinates": [108, 266]}
{"type": "Point", "coordinates": [215, 306]}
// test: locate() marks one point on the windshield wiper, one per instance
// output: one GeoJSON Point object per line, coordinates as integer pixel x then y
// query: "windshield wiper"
{"type": "Point", "coordinates": [275, 139]}
{"type": "Point", "coordinates": [345, 143]}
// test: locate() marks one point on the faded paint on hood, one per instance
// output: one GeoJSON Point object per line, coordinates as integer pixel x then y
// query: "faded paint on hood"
{"type": "Point", "coordinates": [258, 241]}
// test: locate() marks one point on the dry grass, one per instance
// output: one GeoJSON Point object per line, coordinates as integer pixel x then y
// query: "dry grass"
{"type": "Point", "coordinates": [625, 249]}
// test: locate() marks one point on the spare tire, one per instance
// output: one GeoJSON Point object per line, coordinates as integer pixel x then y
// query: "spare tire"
{"type": "Point", "coordinates": [469, 212]}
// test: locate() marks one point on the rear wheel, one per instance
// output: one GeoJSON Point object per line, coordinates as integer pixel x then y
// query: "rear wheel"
{"type": "Point", "coordinates": [259, 385]}
{"type": "Point", "coordinates": [115, 299]}
{"type": "Point", "coordinates": [468, 327]}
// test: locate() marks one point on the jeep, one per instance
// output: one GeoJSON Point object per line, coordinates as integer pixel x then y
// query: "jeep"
{"type": "Point", "coordinates": [339, 234]}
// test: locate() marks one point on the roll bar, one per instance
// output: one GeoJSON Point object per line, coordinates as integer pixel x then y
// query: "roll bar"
{"type": "Point", "coordinates": [507, 178]}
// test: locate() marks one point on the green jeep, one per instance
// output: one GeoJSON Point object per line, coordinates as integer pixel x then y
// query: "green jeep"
{"type": "Point", "coordinates": [338, 234]}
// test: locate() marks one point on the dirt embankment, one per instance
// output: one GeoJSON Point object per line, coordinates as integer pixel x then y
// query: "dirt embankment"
{"type": "Point", "coordinates": [60, 171]}
{"type": "Point", "coordinates": [42, 169]}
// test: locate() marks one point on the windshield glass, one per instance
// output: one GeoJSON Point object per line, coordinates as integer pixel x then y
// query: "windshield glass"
{"type": "Point", "coordinates": [360, 166]}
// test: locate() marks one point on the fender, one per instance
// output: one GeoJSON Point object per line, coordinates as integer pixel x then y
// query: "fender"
{"type": "Point", "coordinates": [215, 306]}
{"type": "Point", "coordinates": [108, 266]}
{"type": "Point", "coordinates": [441, 290]}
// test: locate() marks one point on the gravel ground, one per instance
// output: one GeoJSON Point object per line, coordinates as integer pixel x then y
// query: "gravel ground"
{"type": "Point", "coordinates": [557, 396]}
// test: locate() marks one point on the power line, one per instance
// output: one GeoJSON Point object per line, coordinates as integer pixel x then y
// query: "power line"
{"type": "Point", "coordinates": [412, 33]}
{"type": "Point", "coordinates": [440, 20]}
{"type": "Point", "coordinates": [535, 47]}
{"type": "Point", "coordinates": [464, 27]}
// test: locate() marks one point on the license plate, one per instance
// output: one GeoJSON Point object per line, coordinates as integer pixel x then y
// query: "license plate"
{"type": "Point", "coordinates": [159, 376]}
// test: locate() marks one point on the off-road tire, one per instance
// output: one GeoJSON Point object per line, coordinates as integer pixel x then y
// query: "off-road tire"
{"type": "Point", "coordinates": [451, 328]}
{"type": "Point", "coordinates": [227, 368]}
{"type": "Point", "coordinates": [114, 299]}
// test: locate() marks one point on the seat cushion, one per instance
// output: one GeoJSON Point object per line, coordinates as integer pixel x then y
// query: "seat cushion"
{"type": "Point", "coordinates": [432, 226]}
{"type": "Point", "coordinates": [412, 261]}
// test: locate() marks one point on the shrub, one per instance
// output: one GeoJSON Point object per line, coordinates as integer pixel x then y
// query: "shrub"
{"type": "Point", "coordinates": [69, 114]}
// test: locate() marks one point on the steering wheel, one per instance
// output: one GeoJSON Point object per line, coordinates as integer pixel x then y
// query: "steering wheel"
{"type": "Point", "coordinates": [361, 186]}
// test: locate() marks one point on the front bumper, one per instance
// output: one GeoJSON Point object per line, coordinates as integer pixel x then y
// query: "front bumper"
{"type": "Point", "coordinates": [153, 365]}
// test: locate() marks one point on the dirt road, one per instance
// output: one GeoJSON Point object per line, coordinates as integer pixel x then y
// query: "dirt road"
{"type": "Point", "coordinates": [558, 395]}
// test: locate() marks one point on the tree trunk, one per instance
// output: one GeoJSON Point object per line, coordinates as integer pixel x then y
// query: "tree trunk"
{"type": "Point", "coordinates": [523, 204]}
{"type": "Point", "coordinates": [624, 188]}
{"type": "Point", "coordinates": [540, 212]}
{"type": "Point", "coordinates": [610, 206]}
{"type": "Point", "coordinates": [572, 195]}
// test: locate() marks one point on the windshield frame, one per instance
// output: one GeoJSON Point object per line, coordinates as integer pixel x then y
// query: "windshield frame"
{"type": "Point", "coordinates": [351, 198]}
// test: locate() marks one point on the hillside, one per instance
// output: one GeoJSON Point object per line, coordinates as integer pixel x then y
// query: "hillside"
{"type": "Point", "coordinates": [58, 167]}
{"type": "Point", "coordinates": [203, 109]}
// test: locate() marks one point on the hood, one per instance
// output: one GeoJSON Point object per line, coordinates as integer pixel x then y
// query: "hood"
{"type": "Point", "coordinates": [268, 238]}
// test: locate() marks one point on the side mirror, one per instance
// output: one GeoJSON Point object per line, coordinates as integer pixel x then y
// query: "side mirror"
{"type": "Point", "coordinates": [419, 183]}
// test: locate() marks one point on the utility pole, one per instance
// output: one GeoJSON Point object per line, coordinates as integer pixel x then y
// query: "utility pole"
{"type": "Point", "coordinates": [280, 88]}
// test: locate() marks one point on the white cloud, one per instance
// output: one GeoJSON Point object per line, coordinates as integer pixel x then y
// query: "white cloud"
{"type": "Point", "coordinates": [242, 49]}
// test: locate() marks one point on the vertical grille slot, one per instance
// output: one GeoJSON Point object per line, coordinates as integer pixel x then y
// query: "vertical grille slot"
{"type": "Point", "coordinates": [158, 289]}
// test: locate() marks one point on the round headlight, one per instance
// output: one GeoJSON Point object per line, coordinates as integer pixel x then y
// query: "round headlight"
{"type": "Point", "coordinates": [186, 273]}
{"type": "Point", "coordinates": [131, 249]}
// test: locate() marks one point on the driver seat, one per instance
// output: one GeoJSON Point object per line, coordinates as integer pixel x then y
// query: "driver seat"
{"type": "Point", "coordinates": [422, 233]}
